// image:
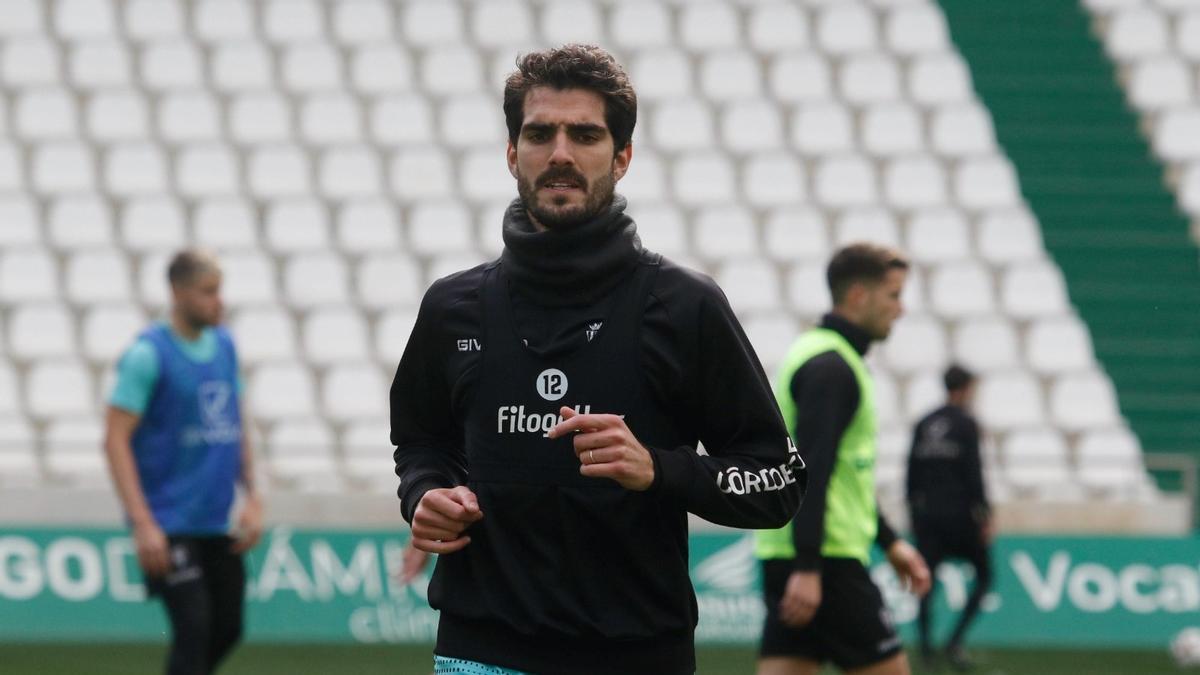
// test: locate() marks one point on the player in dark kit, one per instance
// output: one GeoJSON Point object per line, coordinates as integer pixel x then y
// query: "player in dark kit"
{"type": "Point", "coordinates": [948, 504]}
{"type": "Point", "coordinates": [548, 406]}
{"type": "Point", "coordinates": [176, 450]}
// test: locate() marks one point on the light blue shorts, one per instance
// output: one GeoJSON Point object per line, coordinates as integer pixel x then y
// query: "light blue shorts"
{"type": "Point", "coordinates": [445, 666]}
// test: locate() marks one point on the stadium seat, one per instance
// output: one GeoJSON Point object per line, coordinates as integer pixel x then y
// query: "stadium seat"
{"type": "Point", "coordinates": [151, 20]}
{"type": "Point", "coordinates": [392, 331]}
{"type": "Point", "coordinates": [917, 29]}
{"type": "Point", "coordinates": [705, 26]}
{"type": "Point", "coordinates": [366, 225]}
{"type": "Point", "coordinates": [378, 69]}
{"type": "Point", "coordinates": [171, 64]}
{"type": "Point", "coordinates": [846, 28]}
{"type": "Point", "coordinates": [279, 171]}
{"type": "Point", "coordinates": [916, 343]}
{"type": "Point", "coordinates": [78, 222]}
{"type": "Point", "coordinates": [503, 25]}
{"type": "Point", "coordinates": [1136, 33]}
{"type": "Point", "coordinates": [41, 330]}
{"type": "Point", "coordinates": [471, 120]}
{"type": "Point", "coordinates": [450, 70]}
{"type": "Point", "coordinates": [109, 329]}
{"type": "Point", "coordinates": [310, 68]}
{"type": "Point", "coordinates": [100, 64]}
{"type": "Point", "coordinates": [962, 130]}
{"type": "Point", "coordinates": [962, 289]}
{"type": "Point", "coordinates": [367, 455]}
{"type": "Point", "coordinates": [703, 178]}
{"type": "Point", "coordinates": [295, 225]}
{"type": "Point", "coordinates": [986, 183]}
{"type": "Point", "coordinates": [264, 334]}
{"type": "Point", "coordinates": [775, 27]}
{"type": "Point", "coordinates": [867, 223]}
{"type": "Point", "coordinates": [189, 117]}
{"type": "Point", "coordinates": [439, 227]}
{"type": "Point", "coordinates": [333, 335]}
{"type": "Point", "coordinates": [59, 388]}
{"type": "Point", "coordinates": [987, 344]}
{"type": "Point", "coordinates": [400, 120]}
{"type": "Point", "coordinates": [796, 233]}
{"type": "Point", "coordinates": [430, 23]}
{"type": "Point", "coordinates": [570, 21]}
{"type": "Point", "coordinates": [682, 124]}
{"type": "Point", "coordinates": [152, 281]}
{"type": "Point", "coordinates": [287, 21]}
{"type": "Point", "coordinates": [661, 74]}
{"type": "Point", "coordinates": [209, 170]}
{"type": "Point", "coordinates": [635, 25]}
{"type": "Point", "coordinates": [771, 335]}
{"type": "Point", "coordinates": [97, 276]}
{"type": "Point", "coordinates": [84, 19]}
{"type": "Point", "coordinates": [887, 401]}
{"type": "Point", "coordinates": [489, 236]}
{"type": "Point", "coordinates": [1110, 460]}
{"type": "Point", "coordinates": [19, 466]}
{"type": "Point", "coordinates": [225, 223]}
{"type": "Point", "coordinates": [222, 20]}
{"type": "Point", "coordinates": [350, 172]}
{"type": "Point", "coordinates": [731, 75]}
{"type": "Point", "coordinates": [800, 77]}
{"type": "Point", "coordinates": [63, 167]}
{"type": "Point", "coordinates": [939, 79]}
{"type": "Point", "coordinates": [1009, 236]}
{"type": "Point", "coordinates": [1008, 400]}
{"type": "Point", "coordinates": [260, 117]}
{"type": "Point", "coordinates": [117, 115]}
{"type": "Point", "coordinates": [12, 175]}
{"type": "Point", "coordinates": [752, 125]}
{"type": "Point", "coordinates": [362, 21]}
{"type": "Point", "coordinates": [315, 279]}
{"type": "Point", "coordinates": [808, 293]}
{"type": "Point", "coordinates": [662, 226]}
{"type": "Point", "coordinates": [422, 173]}
{"type": "Point", "coordinates": [1035, 460]}
{"type": "Point", "coordinates": [1177, 134]}
{"type": "Point", "coordinates": [913, 295]}
{"type": "Point", "coordinates": [869, 79]}
{"type": "Point", "coordinates": [750, 285]}
{"type": "Point", "coordinates": [1189, 188]}
{"type": "Point", "coordinates": [1160, 82]}
{"type": "Point", "coordinates": [355, 392]}
{"type": "Point", "coordinates": [135, 170]}
{"type": "Point", "coordinates": [247, 278]}
{"type": "Point", "coordinates": [725, 232]}
{"type": "Point", "coordinates": [27, 274]}
{"type": "Point", "coordinates": [771, 179]}
{"type": "Point", "coordinates": [242, 66]}
{"type": "Point", "coordinates": [29, 61]}
{"type": "Point", "coordinates": [1187, 32]}
{"type": "Point", "coordinates": [937, 235]}
{"type": "Point", "coordinates": [22, 224]}
{"type": "Point", "coordinates": [388, 280]}
{"type": "Point", "coordinates": [281, 390]}
{"type": "Point", "coordinates": [844, 181]}
{"type": "Point", "coordinates": [892, 129]}
{"type": "Point", "coordinates": [646, 178]}
{"type": "Point", "coordinates": [1034, 289]}
{"type": "Point", "coordinates": [330, 119]}
{"type": "Point", "coordinates": [154, 223]}
{"type": "Point", "coordinates": [75, 451]}
{"type": "Point", "coordinates": [301, 454]}
{"type": "Point", "coordinates": [45, 114]}
{"type": "Point", "coordinates": [891, 462]}
{"type": "Point", "coordinates": [1084, 401]}
{"type": "Point", "coordinates": [20, 17]}
{"type": "Point", "coordinates": [484, 174]}
{"type": "Point", "coordinates": [924, 393]}
{"type": "Point", "coordinates": [914, 182]}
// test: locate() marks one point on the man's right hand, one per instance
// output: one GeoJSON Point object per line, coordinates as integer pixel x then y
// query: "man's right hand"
{"type": "Point", "coordinates": [801, 598]}
{"type": "Point", "coordinates": [153, 551]}
{"type": "Point", "coordinates": [440, 518]}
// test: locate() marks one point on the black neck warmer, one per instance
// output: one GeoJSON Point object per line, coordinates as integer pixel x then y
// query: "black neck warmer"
{"type": "Point", "coordinates": [569, 266]}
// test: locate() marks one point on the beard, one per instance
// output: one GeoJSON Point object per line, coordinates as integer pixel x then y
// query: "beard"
{"type": "Point", "coordinates": [597, 199]}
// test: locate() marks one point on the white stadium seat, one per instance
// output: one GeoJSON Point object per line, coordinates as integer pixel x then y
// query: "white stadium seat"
{"type": "Point", "coordinates": [84, 19]}
{"type": "Point", "coordinates": [334, 335]}
{"type": "Point", "coordinates": [844, 181]}
{"type": "Point", "coordinates": [771, 179]}
{"type": "Point", "coordinates": [366, 225]}
{"type": "Point", "coordinates": [315, 279]}
{"type": "Point", "coordinates": [708, 25]}
{"type": "Point", "coordinates": [330, 119]}
{"type": "Point", "coordinates": [189, 117]}
{"type": "Point", "coordinates": [637, 25]}
{"type": "Point", "coordinates": [808, 293]}
{"type": "Point", "coordinates": [986, 183]}
{"type": "Point", "coordinates": [295, 225]}
{"type": "Point", "coordinates": [924, 392]}
{"type": "Point", "coordinates": [98, 276]}
{"type": "Point", "coordinates": [568, 21]}
{"type": "Point", "coordinates": [429, 23]}
{"type": "Point", "coordinates": [800, 76]}
{"type": "Point", "coordinates": [502, 24]}
{"type": "Point", "coordinates": [401, 119]}
{"type": "Point", "coordinates": [822, 128]}
{"type": "Point", "coordinates": [661, 226]}
{"type": "Point", "coordinates": [100, 64]}
{"type": "Point", "coordinates": [916, 343]}
{"type": "Point", "coordinates": [20, 17]}
{"type": "Point", "coordinates": [1189, 188]}
{"type": "Point", "coordinates": [1160, 82]}
{"type": "Point", "coordinates": [1187, 32]}
{"type": "Point", "coordinates": [961, 289]}
{"type": "Point", "coordinates": [731, 75]}
{"type": "Point", "coordinates": [772, 335]}
{"type": "Point", "coordinates": [987, 343]}
{"type": "Point", "coordinates": [152, 280]}
{"type": "Point", "coordinates": [207, 170]}
{"type": "Point", "coordinates": [421, 172]}
{"type": "Point", "coordinates": [117, 115]}
{"type": "Point", "coordinates": [355, 392]}
{"type": "Point", "coordinates": [846, 28]}
{"type": "Point", "coordinates": [750, 285]}
{"type": "Point", "coordinates": [18, 456]}
{"type": "Point", "coordinates": [264, 334]}
{"type": "Point", "coordinates": [870, 78]}
{"type": "Point", "coordinates": [1110, 460]}
{"type": "Point", "coordinates": [1137, 33]}
{"type": "Point", "coordinates": [247, 278]}
{"type": "Point", "coordinates": [388, 280]}
{"type": "Point", "coordinates": [46, 114]}
{"type": "Point", "coordinates": [796, 233]}
{"type": "Point", "coordinates": [1059, 344]}
{"type": "Point", "coordinates": [1009, 400]}
{"type": "Point", "coordinates": [939, 79]}
{"type": "Point", "coordinates": [1177, 134]}
{"type": "Point", "coordinates": [260, 117]}
{"type": "Point", "coordinates": [367, 455]}
{"type": "Point", "coordinates": [63, 167]}
{"type": "Point", "coordinates": [241, 66]}
{"type": "Point", "coordinates": [29, 61]}
{"type": "Point", "coordinates": [450, 70]}
{"type": "Point", "coordinates": [753, 125]}
{"type": "Point", "coordinates": [135, 169]}
{"type": "Point", "coordinates": [362, 21]}
{"type": "Point", "coordinates": [646, 178]}
{"type": "Point", "coordinates": [1034, 289]}
{"type": "Point", "coordinates": [777, 27]}
{"type": "Point", "coordinates": [109, 329]}
{"type": "Point", "coordinates": [279, 171]}
{"type": "Point", "coordinates": [962, 130]}
{"type": "Point", "coordinates": [661, 74]}
{"type": "Point", "coordinates": [27, 274]}
{"type": "Point", "coordinates": [392, 331]}
{"type": "Point", "coordinates": [149, 20]}
{"type": "Point", "coordinates": [1036, 460]}
{"type": "Point", "coordinates": [301, 453]}
{"type": "Point", "coordinates": [75, 451]}
{"type": "Point", "coordinates": [279, 390]}
{"type": "Point", "coordinates": [225, 223]}
{"type": "Point", "coordinates": [311, 67]}
{"type": "Point", "coordinates": [484, 174]}
{"type": "Point", "coordinates": [914, 182]}
{"type": "Point", "coordinates": [12, 175]}
{"type": "Point", "coordinates": [918, 29]}
{"type": "Point", "coordinates": [155, 223]}
{"type": "Point", "coordinates": [381, 69]}
{"type": "Point", "coordinates": [286, 21]}
{"type": "Point", "coordinates": [59, 388]}
{"type": "Point", "coordinates": [38, 331]}
{"type": "Point", "coordinates": [471, 120]}
{"type": "Point", "coordinates": [439, 227]}
{"type": "Point", "coordinates": [887, 402]}
{"type": "Point", "coordinates": [892, 129]}
{"type": "Point", "coordinates": [1008, 236]}
{"type": "Point", "coordinates": [22, 223]}
{"type": "Point", "coordinates": [938, 234]}
{"type": "Point", "coordinates": [79, 222]}
{"type": "Point", "coordinates": [868, 223]}
{"type": "Point", "coordinates": [683, 124]}
{"type": "Point", "coordinates": [1084, 401]}
{"type": "Point", "coordinates": [725, 232]}
{"type": "Point", "coordinates": [223, 20]}
{"type": "Point", "coordinates": [171, 64]}
{"type": "Point", "coordinates": [350, 172]}
{"type": "Point", "coordinates": [703, 178]}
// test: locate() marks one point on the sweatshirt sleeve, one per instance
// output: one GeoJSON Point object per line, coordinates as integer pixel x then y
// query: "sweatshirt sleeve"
{"type": "Point", "coordinates": [429, 449]}
{"type": "Point", "coordinates": [751, 476]}
{"type": "Point", "coordinates": [973, 466]}
{"type": "Point", "coordinates": [826, 395]}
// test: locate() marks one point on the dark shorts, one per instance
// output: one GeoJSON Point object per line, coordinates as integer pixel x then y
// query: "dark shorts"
{"type": "Point", "coordinates": [852, 627]}
{"type": "Point", "coordinates": [197, 559]}
{"type": "Point", "coordinates": [941, 538]}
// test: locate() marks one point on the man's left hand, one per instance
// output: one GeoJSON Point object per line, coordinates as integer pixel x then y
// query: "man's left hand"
{"type": "Point", "coordinates": [250, 525]}
{"type": "Point", "coordinates": [606, 448]}
{"type": "Point", "coordinates": [910, 567]}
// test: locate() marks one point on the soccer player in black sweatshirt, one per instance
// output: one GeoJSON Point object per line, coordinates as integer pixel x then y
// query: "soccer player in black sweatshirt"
{"type": "Point", "coordinates": [948, 505]}
{"type": "Point", "coordinates": [547, 410]}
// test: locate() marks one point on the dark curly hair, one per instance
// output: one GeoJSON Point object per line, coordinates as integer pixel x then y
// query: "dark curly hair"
{"type": "Point", "coordinates": [574, 66]}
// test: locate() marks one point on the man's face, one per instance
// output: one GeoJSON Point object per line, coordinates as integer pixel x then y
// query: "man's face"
{"type": "Point", "coordinates": [199, 302]}
{"type": "Point", "coordinates": [563, 160]}
{"type": "Point", "coordinates": [882, 304]}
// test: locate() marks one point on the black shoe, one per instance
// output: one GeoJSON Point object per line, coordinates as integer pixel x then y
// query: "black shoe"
{"type": "Point", "coordinates": [929, 659]}
{"type": "Point", "coordinates": [958, 659]}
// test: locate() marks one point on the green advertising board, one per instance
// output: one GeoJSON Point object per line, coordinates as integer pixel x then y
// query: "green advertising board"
{"type": "Point", "coordinates": [338, 586]}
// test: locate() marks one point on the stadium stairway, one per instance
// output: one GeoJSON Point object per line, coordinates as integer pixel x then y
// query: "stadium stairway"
{"type": "Point", "coordinates": [1107, 217]}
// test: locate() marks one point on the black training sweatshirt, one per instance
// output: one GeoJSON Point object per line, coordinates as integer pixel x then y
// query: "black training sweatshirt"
{"type": "Point", "coordinates": [826, 395]}
{"type": "Point", "coordinates": [703, 383]}
{"type": "Point", "coordinates": [945, 475]}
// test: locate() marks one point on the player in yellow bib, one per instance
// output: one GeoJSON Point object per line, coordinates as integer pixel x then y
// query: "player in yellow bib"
{"type": "Point", "coordinates": [821, 602]}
